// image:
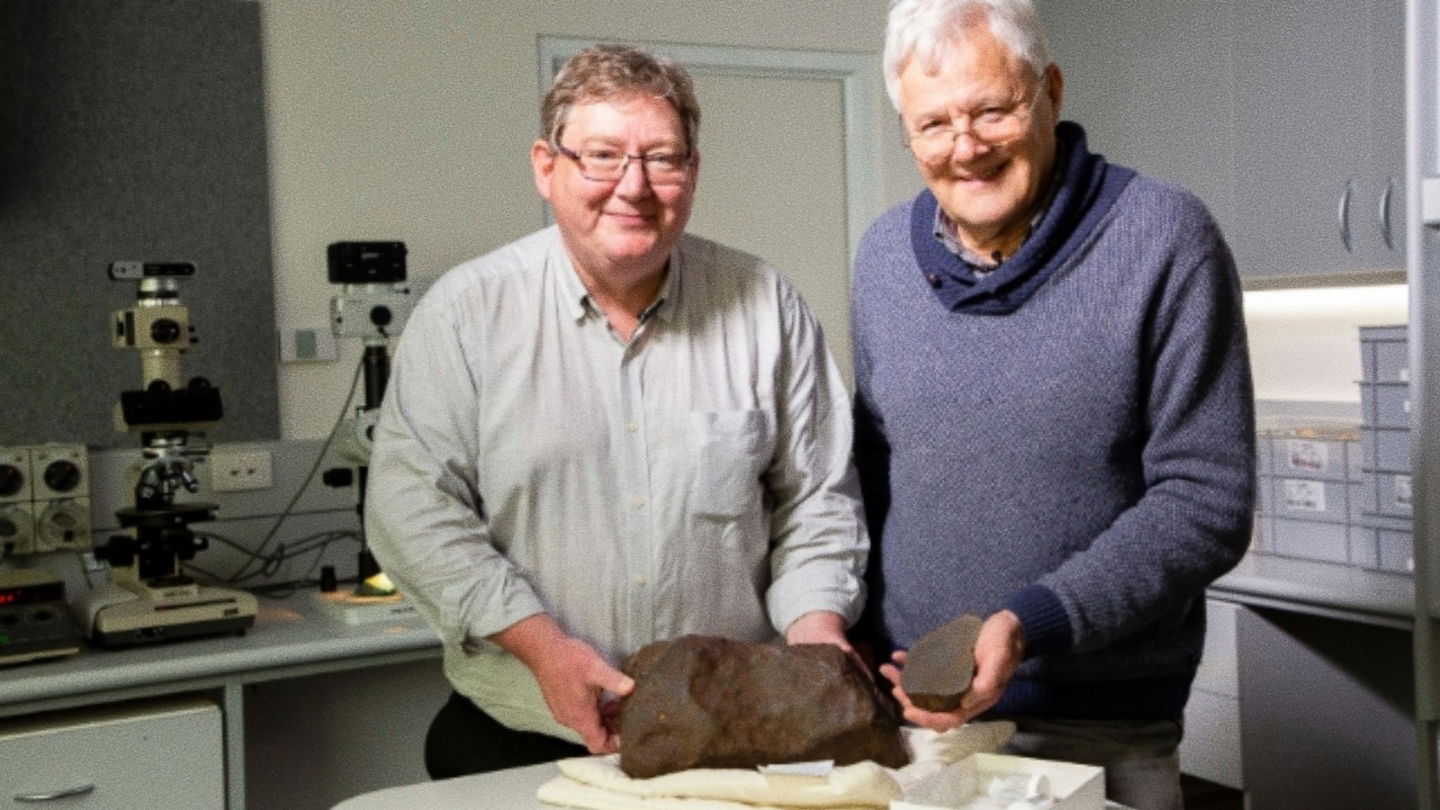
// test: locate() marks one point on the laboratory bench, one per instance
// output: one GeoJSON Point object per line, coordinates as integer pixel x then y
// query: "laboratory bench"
{"type": "Point", "coordinates": [1305, 692]}
{"type": "Point", "coordinates": [309, 707]}
{"type": "Point", "coordinates": [1305, 685]}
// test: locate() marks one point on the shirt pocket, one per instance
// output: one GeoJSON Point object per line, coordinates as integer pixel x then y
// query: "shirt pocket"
{"type": "Point", "coordinates": [731, 449]}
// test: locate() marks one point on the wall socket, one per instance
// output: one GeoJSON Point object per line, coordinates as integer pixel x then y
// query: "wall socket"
{"type": "Point", "coordinates": [235, 471]}
{"type": "Point", "coordinates": [313, 344]}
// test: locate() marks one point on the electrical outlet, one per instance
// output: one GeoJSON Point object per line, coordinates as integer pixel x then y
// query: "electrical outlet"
{"type": "Point", "coordinates": [237, 471]}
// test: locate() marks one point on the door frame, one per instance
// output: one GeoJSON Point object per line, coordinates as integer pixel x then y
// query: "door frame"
{"type": "Point", "coordinates": [859, 77]}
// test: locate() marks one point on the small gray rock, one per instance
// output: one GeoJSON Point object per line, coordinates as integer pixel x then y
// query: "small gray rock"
{"type": "Point", "coordinates": [939, 666]}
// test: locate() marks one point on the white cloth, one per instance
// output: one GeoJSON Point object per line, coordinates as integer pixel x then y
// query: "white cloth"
{"type": "Point", "coordinates": [597, 783]}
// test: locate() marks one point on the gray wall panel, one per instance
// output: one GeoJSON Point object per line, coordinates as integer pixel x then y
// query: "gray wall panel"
{"type": "Point", "coordinates": [130, 129]}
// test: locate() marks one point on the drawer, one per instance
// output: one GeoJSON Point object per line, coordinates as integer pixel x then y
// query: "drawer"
{"type": "Point", "coordinates": [1310, 540]}
{"type": "Point", "coordinates": [1397, 551]}
{"type": "Point", "coordinates": [163, 754]}
{"type": "Point", "coordinates": [1310, 499]}
{"type": "Point", "coordinates": [1392, 361]}
{"type": "Point", "coordinates": [1362, 498]}
{"type": "Point", "coordinates": [1386, 449]}
{"type": "Point", "coordinates": [1332, 460]}
{"type": "Point", "coordinates": [1383, 544]}
{"type": "Point", "coordinates": [1365, 547]}
{"type": "Point", "coordinates": [1392, 494]}
{"type": "Point", "coordinates": [1385, 353]}
{"type": "Point", "coordinates": [1219, 668]}
{"type": "Point", "coordinates": [1385, 404]}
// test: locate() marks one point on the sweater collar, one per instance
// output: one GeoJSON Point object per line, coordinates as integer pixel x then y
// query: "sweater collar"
{"type": "Point", "coordinates": [1085, 189]}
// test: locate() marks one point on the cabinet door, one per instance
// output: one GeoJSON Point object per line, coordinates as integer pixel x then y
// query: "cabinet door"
{"type": "Point", "coordinates": [1306, 191]}
{"type": "Point", "coordinates": [155, 755]}
{"type": "Point", "coordinates": [1386, 61]}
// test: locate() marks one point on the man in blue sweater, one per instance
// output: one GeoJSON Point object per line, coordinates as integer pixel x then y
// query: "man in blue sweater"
{"type": "Point", "coordinates": [1055, 419]}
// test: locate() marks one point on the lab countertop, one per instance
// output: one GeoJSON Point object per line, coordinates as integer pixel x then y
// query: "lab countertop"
{"type": "Point", "coordinates": [290, 636]}
{"type": "Point", "coordinates": [1325, 589]}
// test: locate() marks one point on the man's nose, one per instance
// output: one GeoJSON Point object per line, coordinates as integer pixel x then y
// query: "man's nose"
{"type": "Point", "coordinates": [967, 147]}
{"type": "Point", "coordinates": [633, 180]}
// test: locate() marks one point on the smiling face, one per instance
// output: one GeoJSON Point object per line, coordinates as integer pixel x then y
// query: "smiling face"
{"type": "Point", "coordinates": [618, 233]}
{"type": "Point", "coordinates": [988, 190]}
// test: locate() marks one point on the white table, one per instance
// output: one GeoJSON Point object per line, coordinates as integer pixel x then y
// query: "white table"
{"type": "Point", "coordinates": [513, 789]}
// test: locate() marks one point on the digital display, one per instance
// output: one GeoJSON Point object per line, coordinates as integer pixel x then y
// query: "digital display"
{"type": "Point", "coordinates": [32, 594]}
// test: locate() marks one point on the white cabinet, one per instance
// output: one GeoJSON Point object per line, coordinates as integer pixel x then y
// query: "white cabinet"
{"type": "Point", "coordinates": [161, 754]}
{"type": "Point", "coordinates": [1210, 748]}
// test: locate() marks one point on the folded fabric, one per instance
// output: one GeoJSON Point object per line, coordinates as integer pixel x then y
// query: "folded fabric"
{"type": "Point", "coordinates": [597, 783]}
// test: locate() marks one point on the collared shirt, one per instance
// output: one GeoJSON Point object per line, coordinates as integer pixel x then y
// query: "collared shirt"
{"type": "Point", "coordinates": [695, 479]}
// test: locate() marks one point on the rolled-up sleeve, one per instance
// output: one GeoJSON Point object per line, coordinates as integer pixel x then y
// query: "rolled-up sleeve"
{"type": "Point", "coordinates": [424, 512]}
{"type": "Point", "coordinates": [818, 536]}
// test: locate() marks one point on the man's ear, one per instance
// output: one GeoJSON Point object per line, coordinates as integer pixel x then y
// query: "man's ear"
{"type": "Point", "coordinates": [1055, 87]}
{"type": "Point", "coordinates": [542, 162]}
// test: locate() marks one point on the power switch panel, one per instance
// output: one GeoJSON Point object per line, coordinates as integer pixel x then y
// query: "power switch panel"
{"type": "Point", "coordinates": [15, 484]}
{"type": "Point", "coordinates": [44, 499]}
{"type": "Point", "coordinates": [60, 471]}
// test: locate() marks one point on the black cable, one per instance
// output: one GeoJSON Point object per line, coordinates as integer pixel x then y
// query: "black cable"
{"type": "Point", "coordinates": [271, 563]}
{"type": "Point", "coordinates": [319, 459]}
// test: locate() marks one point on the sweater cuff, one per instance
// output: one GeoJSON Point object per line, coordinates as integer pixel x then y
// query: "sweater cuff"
{"type": "Point", "coordinates": [1043, 619]}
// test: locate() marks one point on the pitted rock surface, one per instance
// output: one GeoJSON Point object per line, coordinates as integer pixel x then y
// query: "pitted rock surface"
{"type": "Point", "coordinates": [705, 702]}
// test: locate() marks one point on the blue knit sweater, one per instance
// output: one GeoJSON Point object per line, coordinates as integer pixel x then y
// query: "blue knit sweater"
{"type": "Point", "coordinates": [1083, 458]}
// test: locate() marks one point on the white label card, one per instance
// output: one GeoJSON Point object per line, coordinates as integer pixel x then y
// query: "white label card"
{"type": "Point", "coordinates": [1309, 455]}
{"type": "Point", "coordinates": [1303, 495]}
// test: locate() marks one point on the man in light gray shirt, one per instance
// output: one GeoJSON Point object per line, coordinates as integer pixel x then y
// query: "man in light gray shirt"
{"type": "Point", "coordinates": [609, 433]}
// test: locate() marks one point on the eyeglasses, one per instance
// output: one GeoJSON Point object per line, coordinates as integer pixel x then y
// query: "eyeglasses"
{"type": "Point", "coordinates": [934, 140]}
{"type": "Point", "coordinates": [609, 165]}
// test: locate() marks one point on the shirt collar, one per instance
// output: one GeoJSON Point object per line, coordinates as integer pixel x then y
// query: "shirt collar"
{"type": "Point", "coordinates": [665, 307]}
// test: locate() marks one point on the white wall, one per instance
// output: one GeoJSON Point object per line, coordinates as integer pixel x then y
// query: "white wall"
{"type": "Point", "coordinates": [412, 120]}
{"type": "Point", "coordinates": [1305, 344]}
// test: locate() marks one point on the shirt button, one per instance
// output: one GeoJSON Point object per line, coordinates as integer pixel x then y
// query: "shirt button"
{"type": "Point", "coordinates": [640, 579]}
{"type": "Point", "coordinates": [632, 426]}
{"type": "Point", "coordinates": [638, 502]}
{"type": "Point", "coordinates": [933, 280]}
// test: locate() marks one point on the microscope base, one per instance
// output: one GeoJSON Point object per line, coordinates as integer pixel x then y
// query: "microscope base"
{"type": "Point", "coordinates": [352, 608]}
{"type": "Point", "coordinates": [117, 616]}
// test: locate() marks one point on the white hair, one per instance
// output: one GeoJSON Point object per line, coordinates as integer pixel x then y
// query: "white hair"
{"type": "Point", "coordinates": [926, 30]}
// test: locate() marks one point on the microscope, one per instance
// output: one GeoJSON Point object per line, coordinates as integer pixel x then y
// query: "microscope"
{"type": "Point", "coordinates": [373, 305]}
{"type": "Point", "coordinates": [149, 598]}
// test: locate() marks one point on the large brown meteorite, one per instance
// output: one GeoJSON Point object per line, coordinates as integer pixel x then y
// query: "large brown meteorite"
{"type": "Point", "coordinates": [939, 666]}
{"type": "Point", "coordinates": [703, 702]}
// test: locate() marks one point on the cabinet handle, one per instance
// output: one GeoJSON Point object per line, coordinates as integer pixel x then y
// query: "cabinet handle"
{"type": "Point", "coordinates": [1384, 213]}
{"type": "Point", "coordinates": [1344, 215]}
{"type": "Point", "coordinates": [35, 798]}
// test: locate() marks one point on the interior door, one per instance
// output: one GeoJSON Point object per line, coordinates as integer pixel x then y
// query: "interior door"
{"type": "Point", "coordinates": [772, 182]}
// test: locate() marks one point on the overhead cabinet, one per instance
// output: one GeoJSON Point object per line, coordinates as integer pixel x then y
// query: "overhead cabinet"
{"type": "Point", "coordinates": [1287, 119]}
{"type": "Point", "coordinates": [1320, 128]}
